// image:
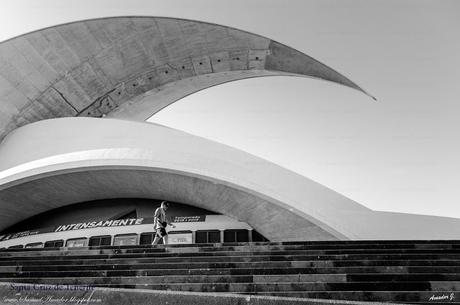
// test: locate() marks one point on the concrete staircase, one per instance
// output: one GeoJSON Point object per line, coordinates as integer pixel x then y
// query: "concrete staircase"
{"type": "Point", "coordinates": [417, 272]}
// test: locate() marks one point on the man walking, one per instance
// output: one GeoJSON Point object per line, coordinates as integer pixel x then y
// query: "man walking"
{"type": "Point", "coordinates": [160, 222]}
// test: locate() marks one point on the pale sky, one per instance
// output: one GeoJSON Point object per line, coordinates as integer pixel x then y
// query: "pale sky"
{"type": "Point", "coordinates": [398, 154]}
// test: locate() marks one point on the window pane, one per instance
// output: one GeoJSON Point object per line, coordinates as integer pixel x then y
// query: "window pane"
{"type": "Point", "coordinates": [106, 241]}
{"type": "Point", "coordinates": [242, 236]}
{"type": "Point", "coordinates": [146, 238]}
{"type": "Point", "coordinates": [96, 241]}
{"type": "Point", "coordinates": [54, 244]}
{"type": "Point", "coordinates": [16, 247]}
{"type": "Point", "coordinates": [35, 245]}
{"type": "Point", "coordinates": [125, 240]}
{"type": "Point", "coordinates": [201, 237]}
{"type": "Point", "coordinates": [229, 236]}
{"type": "Point", "coordinates": [214, 237]}
{"type": "Point", "coordinates": [79, 242]}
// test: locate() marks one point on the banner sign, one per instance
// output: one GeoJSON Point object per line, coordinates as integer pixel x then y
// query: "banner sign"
{"type": "Point", "coordinates": [104, 223]}
{"type": "Point", "coordinates": [189, 218]}
{"type": "Point", "coordinates": [22, 234]}
{"type": "Point", "coordinates": [79, 226]}
{"type": "Point", "coordinates": [100, 224]}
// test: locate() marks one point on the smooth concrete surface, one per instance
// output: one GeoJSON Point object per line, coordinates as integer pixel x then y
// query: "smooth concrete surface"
{"type": "Point", "coordinates": [54, 163]}
{"type": "Point", "coordinates": [107, 66]}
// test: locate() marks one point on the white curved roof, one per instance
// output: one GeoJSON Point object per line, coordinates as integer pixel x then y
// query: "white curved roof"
{"type": "Point", "coordinates": [53, 163]}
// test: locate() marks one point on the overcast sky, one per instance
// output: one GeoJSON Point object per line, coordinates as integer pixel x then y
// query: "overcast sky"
{"type": "Point", "coordinates": [398, 154]}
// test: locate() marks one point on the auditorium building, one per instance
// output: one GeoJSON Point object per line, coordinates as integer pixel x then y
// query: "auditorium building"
{"type": "Point", "coordinates": [80, 166]}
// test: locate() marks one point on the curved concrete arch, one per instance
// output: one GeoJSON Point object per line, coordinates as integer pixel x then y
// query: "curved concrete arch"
{"type": "Point", "coordinates": [108, 66]}
{"type": "Point", "coordinates": [116, 156]}
{"type": "Point", "coordinates": [56, 162]}
{"type": "Point", "coordinates": [122, 181]}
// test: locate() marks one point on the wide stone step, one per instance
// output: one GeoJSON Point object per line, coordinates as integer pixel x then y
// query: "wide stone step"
{"type": "Point", "coordinates": [312, 268]}
{"type": "Point", "coordinates": [411, 297]}
{"type": "Point", "coordinates": [131, 256]}
{"type": "Point", "coordinates": [149, 260]}
{"type": "Point", "coordinates": [234, 287]}
{"type": "Point", "coordinates": [284, 264]}
{"type": "Point", "coordinates": [79, 258]}
{"type": "Point", "coordinates": [109, 296]}
{"type": "Point", "coordinates": [226, 278]}
{"type": "Point", "coordinates": [343, 243]}
{"type": "Point", "coordinates": [165, 259]}
{"type": "Point", "coordinates": [329, 281]}
{"type": "Point", "coordinates": [270, 287]}
{"type": "Point", "coordinates": [225, 247]}
{"type": "Point", "coordinates": [351, 277]}
{"type": "Point", "coordinates": [69, 254]}
{"type": "Point", "coordinates": [138, 296]}
{"type": "Point", "coordinates": [213, 259]}
{"type": "Point", "coordinates": [413, 262]}
{"type": "Point", "coordinates": [218, 271]}
{"type": "Point", "coordinates": [70, 257]}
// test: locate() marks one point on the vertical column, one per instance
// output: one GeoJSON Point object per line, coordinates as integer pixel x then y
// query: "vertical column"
{"type": "Point", "coordinates": [221, 236]}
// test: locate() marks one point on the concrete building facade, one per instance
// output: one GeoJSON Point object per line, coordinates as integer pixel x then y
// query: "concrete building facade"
{"type": "Point", "coordinates": [74, 99]}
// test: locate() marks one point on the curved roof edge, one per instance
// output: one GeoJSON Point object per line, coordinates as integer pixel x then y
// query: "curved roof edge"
{"type": "Point", "coordinates": [121, 158]}
{"type": "Point", "coordinates": [137, 151]}
{"type": "Point", "coordinates": [281, 48]}
{"type": "Point", "coordinates": [104, 66]}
